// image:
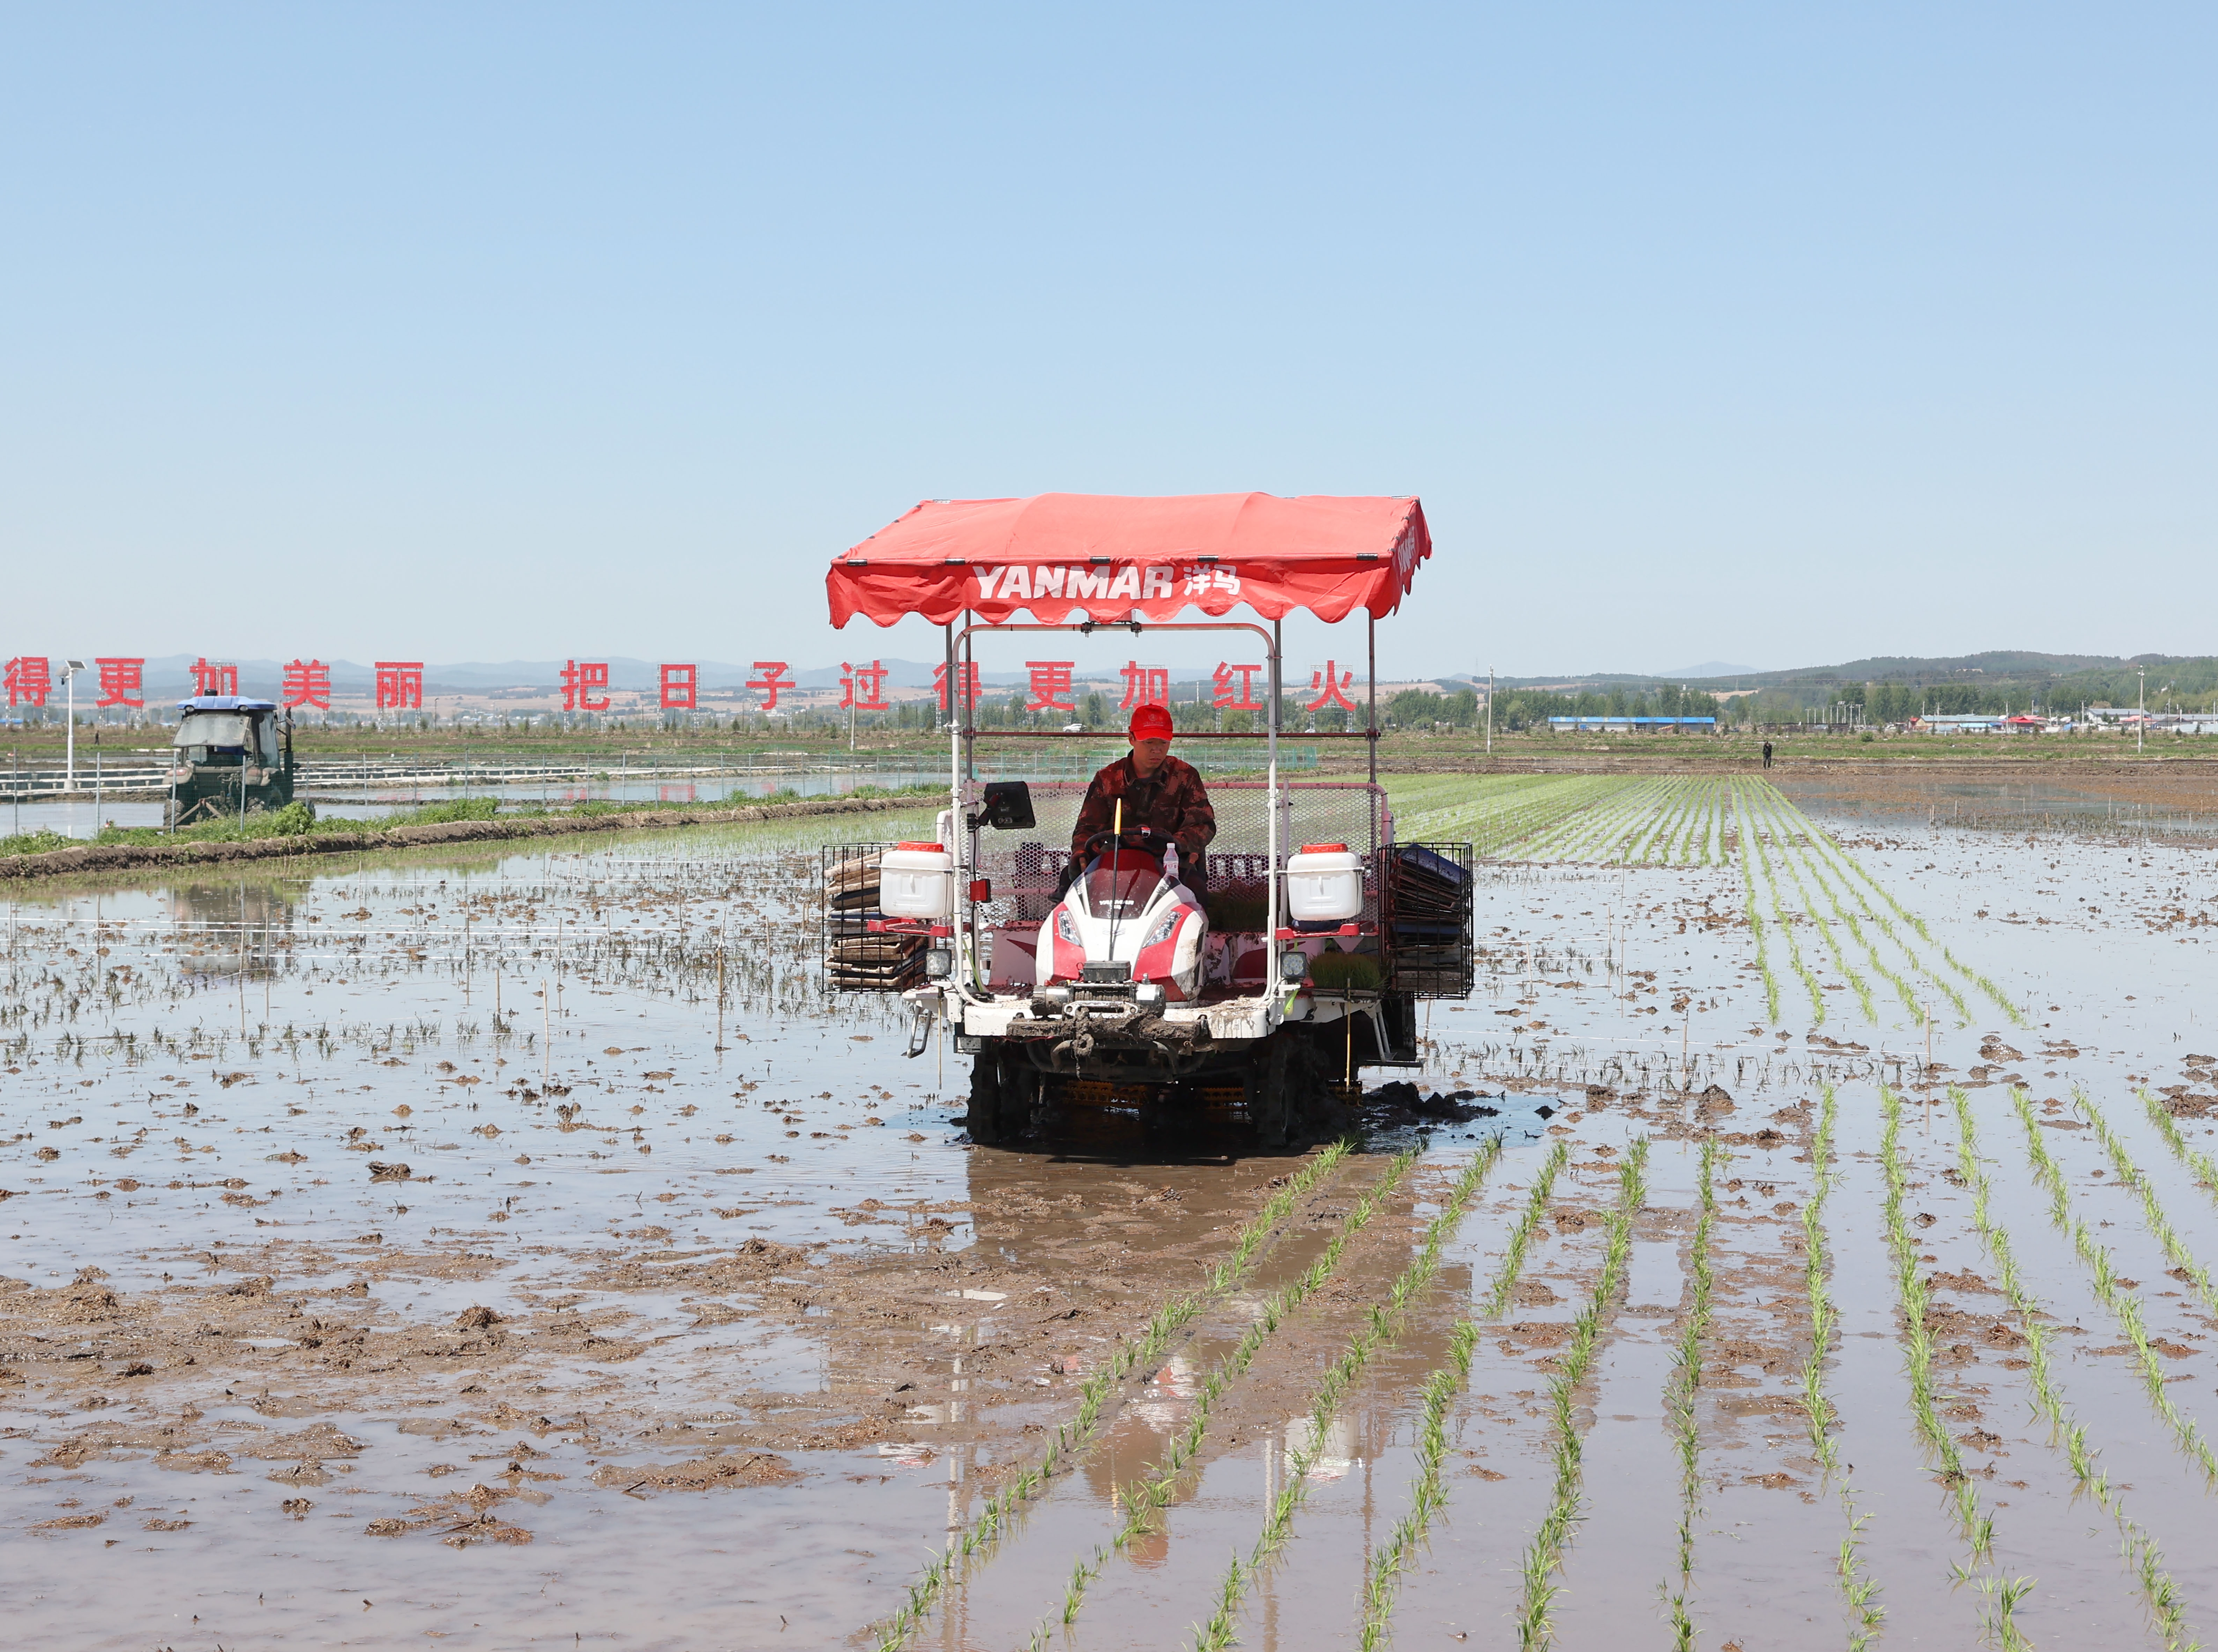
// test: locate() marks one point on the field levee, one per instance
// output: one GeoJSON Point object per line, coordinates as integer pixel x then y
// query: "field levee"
{"type": "Point", "coordinates": [116, 857]}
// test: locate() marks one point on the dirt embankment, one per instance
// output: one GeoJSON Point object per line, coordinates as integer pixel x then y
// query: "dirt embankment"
{"type": "Point", "coordinates": [1698, 755]}
{"type": "Point", "coordinates": [117, 857]}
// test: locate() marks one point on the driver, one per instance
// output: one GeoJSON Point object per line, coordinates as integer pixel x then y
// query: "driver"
{"type": "Point", "coordinates": [1158, 791]}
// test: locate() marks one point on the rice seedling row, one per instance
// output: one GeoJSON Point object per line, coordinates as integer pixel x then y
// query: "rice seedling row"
{"type": "Point", "coordinates": [1751, 837]}
{"type": "Point", "coordinates": [1791, 860]}
{"type": "Point", "coordinates": [1544, 1555]}
{"type": "Point", "coordinates": [1381, 1324]}
{"type": "Point", "coordinates": [1685, 1390]}
{"type": "Point", "coordinates": [2185, 1268]}
{"type": "Point", "coordinates": [1608, 834]}
{"type": "Point", "coordinates": [1429, 1495]}
{"type": "Point", "coordinates": [1492, 810]}
{"type": "Point", "coordinates": [2160, 1594]}
{"type": "Point", "coordinates": [1859, 1589]}
{"type": "Point", "coordinates": [1755, 920]}
{"type": "Point", "coordinates": [2205, 1168]}
{"type": "Point", "coordinates": [1150, 1491]}
{"type": "Point", "coordinates": [1976, 1528]}
{"type": "Point", "coordinates": [1848, 920]}
{"type": "Point", "coordinates": [1826, 845]}
{"type": "Point", "coordinates": [1680, 807]}
{"type": "Point", "coordinates": [2103, 1273]}
{"type": "Point", "coordinates": [1070, 1441]}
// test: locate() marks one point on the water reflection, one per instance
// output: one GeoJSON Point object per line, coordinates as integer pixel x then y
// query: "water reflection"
{"type": "Point", "coordinates": [238, 927]}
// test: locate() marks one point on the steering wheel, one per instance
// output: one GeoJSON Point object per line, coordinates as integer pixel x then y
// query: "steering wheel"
{"type": "Point", "coordinates": [1151, 841]}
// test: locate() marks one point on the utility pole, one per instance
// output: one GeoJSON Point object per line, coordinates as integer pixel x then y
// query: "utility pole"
{"type": "Point", "coordinates": [69, 669]}
{"type": "Point", "coordinates": [2140, 728]}
{"type": "Point", "coordinates": [1490, 711]}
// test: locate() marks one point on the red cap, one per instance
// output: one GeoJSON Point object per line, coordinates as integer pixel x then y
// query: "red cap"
{"type": "Point", "coordinates": [1151, 723]}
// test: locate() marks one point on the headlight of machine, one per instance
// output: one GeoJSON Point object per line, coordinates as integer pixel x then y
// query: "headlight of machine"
{"type": "Point", "coordinates": [939, 964]}
{"type": "Point", "coordinates": [1293, 966]}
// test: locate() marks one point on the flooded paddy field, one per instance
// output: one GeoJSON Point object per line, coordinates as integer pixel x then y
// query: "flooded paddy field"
{"type": "Point", "coordinates": [1819, 1257]}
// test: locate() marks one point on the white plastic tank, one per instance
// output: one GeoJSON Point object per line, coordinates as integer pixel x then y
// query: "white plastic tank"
{"type": "Point", "coordinates": [1324, 884]}
{"type": "Point", "coordinates": [916, 880]}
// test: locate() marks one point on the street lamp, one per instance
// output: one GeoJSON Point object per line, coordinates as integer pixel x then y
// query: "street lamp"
{"type": "Point", "coordinates": [69, 669]}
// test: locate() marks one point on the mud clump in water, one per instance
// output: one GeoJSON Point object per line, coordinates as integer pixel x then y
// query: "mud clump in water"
{"type": "Point", "coordinates": [701, 1473]}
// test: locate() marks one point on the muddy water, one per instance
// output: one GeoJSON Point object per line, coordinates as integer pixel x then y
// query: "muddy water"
{"type": "Point", "coordinates": [679, 1312]}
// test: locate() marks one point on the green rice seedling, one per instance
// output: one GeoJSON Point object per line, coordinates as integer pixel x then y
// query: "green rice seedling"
{"type": "Point", "coordinates": [1860, 1591]}
{"type": "Point", "coordinates": [2206, 1171]}
{"type": "Point", "coordinates": [1605, 833]}
{"type": "Point", "coordinates": [1380, 1324]}
{"type": "Point", "coordinates": [1857, 984]}
{"type": "Point", "coordinates": [2125, 1309]}
{"type": "Point", "coordinates": [1848, 861]}
{"type": "Point", "coordinates": [1755, 837]}
{"type": "Point", "coordinates": [1069, 1441]}
{"type": "Point", "coordinates": [1858, 1587]}
{"type": "Point", "coordinates": [1828, 853]}
{"type": "Point", "coordinates": [2184, 1265]}
{"type": "Point", "coordinates": [2167, 1611]}
{"type": "Point", "coordinates": [1685, 1388]}
{"type": "Point", "coordinates": [1544, 1555]}
{"type": "Point", "coordinates": [1848, 918]}
{"type": "Point", "coordinates": [1152, 1489]}
{"type": "Point", "coordinates": [1910, 1291]}
{"type": "Point", "coordinates": [2007, 1595]}
{"type": "Point", "coordinates": [1762, 951]}
{"type": "Point", "coordinates": [1755, 925]}
{"type": "Point", "coordinates": [1440, 1389]}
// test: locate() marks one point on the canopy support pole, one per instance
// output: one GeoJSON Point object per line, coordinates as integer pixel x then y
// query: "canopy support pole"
{"type": "Point", "coordinates": [1271, 841]}
{"type": "Point", "coordinates": [951, 682]}
{"type": "Point", "coordinates": [970, 709]}
{"type": "Point", "coordinates": [1371, 645]}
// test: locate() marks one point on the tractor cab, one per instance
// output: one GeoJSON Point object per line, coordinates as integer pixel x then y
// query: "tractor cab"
{"type": "Point", "coordinates": [233, 755]}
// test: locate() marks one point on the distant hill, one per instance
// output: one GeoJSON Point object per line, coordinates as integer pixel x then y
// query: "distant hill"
{"type": "Point", "coordinates": [1996, 666]}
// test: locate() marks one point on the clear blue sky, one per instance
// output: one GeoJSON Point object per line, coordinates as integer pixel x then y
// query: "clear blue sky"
{"type": "Point", "coordinates": [1772, 333]}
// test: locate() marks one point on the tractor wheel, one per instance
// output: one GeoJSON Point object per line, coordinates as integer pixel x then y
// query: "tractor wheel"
{"type": "Point", "coordinates": [1001, 1090]}
{"type": "Point", "coordinates": [1283, 1090]}
{"type": "Point", "coordinates": [985, 1119]}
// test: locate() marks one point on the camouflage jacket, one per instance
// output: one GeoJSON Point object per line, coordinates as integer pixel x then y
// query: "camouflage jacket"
{"type": "Point", "coordinates": [1173, 800]}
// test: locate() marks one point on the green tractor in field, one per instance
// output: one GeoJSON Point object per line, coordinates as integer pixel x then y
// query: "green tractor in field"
{"type": "Point", "coordinates": [234, 757]}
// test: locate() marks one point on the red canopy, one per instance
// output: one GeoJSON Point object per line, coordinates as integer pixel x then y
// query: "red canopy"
{"type": "Point", "coordinates": [1067, 557]}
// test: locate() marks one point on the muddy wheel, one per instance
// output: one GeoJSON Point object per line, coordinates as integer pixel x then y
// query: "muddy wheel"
{"type": "Point", "coordinates": [1283, 1090]}
{"type": "Point", "coordinates": [985, 1119]}
{"type": "Point", "coordinates": [1001, 1091]}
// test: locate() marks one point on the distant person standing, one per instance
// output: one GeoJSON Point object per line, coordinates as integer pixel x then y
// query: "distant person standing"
{"type": "Point", "coordinates": [1767, 754]}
